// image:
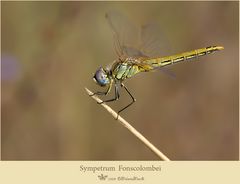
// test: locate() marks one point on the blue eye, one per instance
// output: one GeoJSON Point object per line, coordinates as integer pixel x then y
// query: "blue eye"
{"type": "Point", "coordinates": [101, 77]}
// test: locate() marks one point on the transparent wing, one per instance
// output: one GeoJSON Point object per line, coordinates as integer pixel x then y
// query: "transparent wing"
{"type": "Point", "coordinates": [126, 34]}
{"type": "Point", "coordinates": [154, 42]}
{"type": "Point", "coordinates": [133, 41]}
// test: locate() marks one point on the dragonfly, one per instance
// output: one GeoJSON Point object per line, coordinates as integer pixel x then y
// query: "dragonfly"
{"type": "Point", "coordinates": [132, 60]}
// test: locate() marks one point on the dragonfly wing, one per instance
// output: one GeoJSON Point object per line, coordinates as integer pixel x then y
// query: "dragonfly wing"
{"type": "Point", "coordinates": [131, 51]}
{"type": "Point", "coordinates": [154, 42]}
{"type": "Point", "coordinates": [131, 41]}
{"type": "Point", "coordinates": [126, 34]}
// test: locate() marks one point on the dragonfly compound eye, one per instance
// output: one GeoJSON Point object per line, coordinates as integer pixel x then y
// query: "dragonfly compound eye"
{"type": "Point", "coordinates": [101, 77]}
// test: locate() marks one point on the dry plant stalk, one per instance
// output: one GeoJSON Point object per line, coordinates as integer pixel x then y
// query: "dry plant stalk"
{"type": "Point", "coordinates": [130, 127]}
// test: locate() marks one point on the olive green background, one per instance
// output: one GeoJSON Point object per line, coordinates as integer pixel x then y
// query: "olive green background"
{"type": "Point", "coordinates": [54, 49]}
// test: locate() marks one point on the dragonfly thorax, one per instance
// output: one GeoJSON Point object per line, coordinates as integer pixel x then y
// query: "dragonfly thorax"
{"type": "Point", "coordinates": [101, 77]}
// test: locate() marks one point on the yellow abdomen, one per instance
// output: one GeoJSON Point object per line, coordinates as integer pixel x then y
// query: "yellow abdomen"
{"type": "Point", "coordinates": [164, 61]}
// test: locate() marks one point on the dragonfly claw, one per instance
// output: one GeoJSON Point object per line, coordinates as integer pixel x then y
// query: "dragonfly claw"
{"type": "Point", "coordinates": [100, 102]}
{"type": "Point", "coordinates": [117, 117]}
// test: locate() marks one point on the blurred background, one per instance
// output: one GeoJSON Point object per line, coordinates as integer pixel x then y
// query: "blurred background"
{"type": "Point", "coordinates": [50, 50]}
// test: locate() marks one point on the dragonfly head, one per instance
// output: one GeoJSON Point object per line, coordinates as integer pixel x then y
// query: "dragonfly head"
{"type": "Point", "coordinates": [101, 77]}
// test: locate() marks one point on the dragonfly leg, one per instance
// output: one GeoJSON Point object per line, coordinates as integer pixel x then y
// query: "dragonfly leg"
{"type": "Point", "coordinates": [103, 92]}
{"type": "Point", "coordinates": [133, 100]}
{"type": "Point", "coordinates": [113, 99]}
{"type": "Point", "coordinates": [99, 93]}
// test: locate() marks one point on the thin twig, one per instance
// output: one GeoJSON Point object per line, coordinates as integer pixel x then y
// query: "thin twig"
{"type": "Point", "coordinates": [130, 128]}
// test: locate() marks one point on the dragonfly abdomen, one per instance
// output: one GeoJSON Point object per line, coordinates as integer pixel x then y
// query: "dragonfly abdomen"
{"type": "Point", "coordinates": [164, 61]}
